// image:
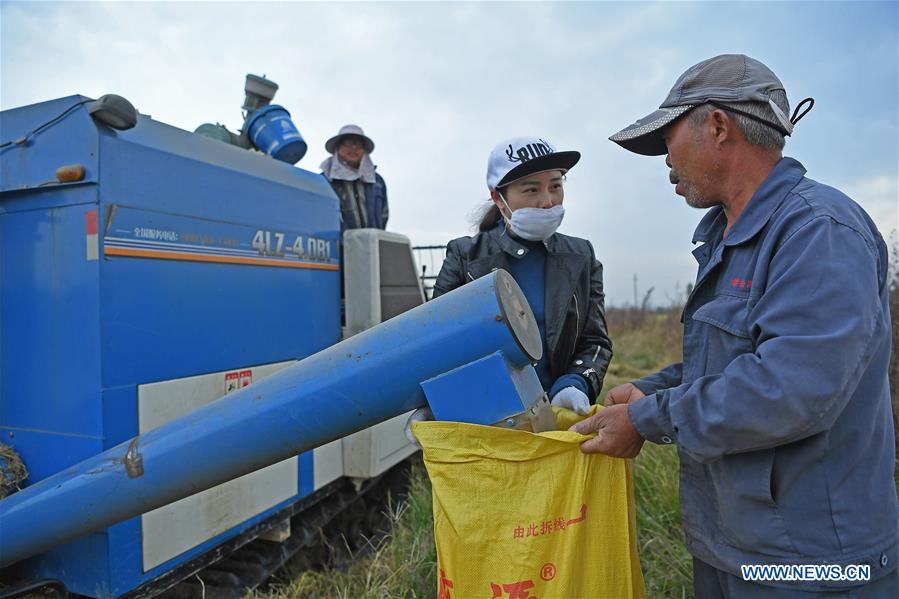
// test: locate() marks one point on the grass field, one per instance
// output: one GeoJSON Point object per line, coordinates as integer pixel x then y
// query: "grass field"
{"type": "Point", "coordinates": [403, 565]}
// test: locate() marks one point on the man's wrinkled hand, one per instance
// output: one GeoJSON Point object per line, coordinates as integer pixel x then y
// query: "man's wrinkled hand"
{"type": "Point", "coordinates": [615, 435]}
{"type": "Point", "coordinates": [623, 394]}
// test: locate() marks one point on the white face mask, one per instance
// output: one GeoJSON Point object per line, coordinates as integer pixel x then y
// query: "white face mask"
{"type": "Point", "coordinates": [535, 224]}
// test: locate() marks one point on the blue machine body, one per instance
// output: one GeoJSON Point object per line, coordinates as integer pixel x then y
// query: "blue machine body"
{"type": "Point", "coordinates": [175, 255]}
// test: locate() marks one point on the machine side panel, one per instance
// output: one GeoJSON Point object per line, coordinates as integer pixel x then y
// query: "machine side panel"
{"type": "Point", "coordinates": [45, 453]}
{"type": "Point", "coordinates": [374, 450]}
{"type": "Point", "coordinates": [230, 165]}
{"type": "Point", "coordinates": [381, 282]}
{"type": "Point", "coordinates": [70, 140]}
{"type": "Point", "coordinates": [49, 346]}
{"type": "Point", "coordinates": [400, 286]}
{"type": "Point", "coordinates": [125, 564]}
{"type": "Point", "coordinates": [169, 170]}
{"type": "Point", "coordinates": [327, 463]}
{"type": "Point", "coordinates": [158, 403]}
{"type": "Point", "coordinates": [119, 414]}
{"type": "Point", "coordinates": [224, 309]}
{"type": "Point", "coordinates": [45, 198]}
{"type": "Point", "coordinates": [169, 318]}
{"type": "Point", "coordinates": [84, 561]}
{"type": "Point", "coordinates": [173, 529]}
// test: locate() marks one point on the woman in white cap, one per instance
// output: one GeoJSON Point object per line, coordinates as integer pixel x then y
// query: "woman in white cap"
{"type": "Point", "coordinates": [349, 169]}
{"type": "Point", "coordinates": [558, 274]}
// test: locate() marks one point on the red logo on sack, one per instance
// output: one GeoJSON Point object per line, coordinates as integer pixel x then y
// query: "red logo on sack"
{"type": "Point", "coordinates": [548, 526]}
{"type": "Point", "coordinates": [443, 591]}
{"type": "Point", "coordinates": [548, 571]}
{"type": "Point", "coordinates": [515, 590]}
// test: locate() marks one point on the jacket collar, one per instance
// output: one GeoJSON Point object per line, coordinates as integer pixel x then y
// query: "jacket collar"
{"type": "Point", "coordinates": [515, 248]}
{"type": "Point", "coordinates": [507, 243]}
{"type": "Point", "coordinates": [336, 169]}
{"type": "Point", "coordinates": [510, 248]}
{"type": "Point", "coordinates": [785, 175]}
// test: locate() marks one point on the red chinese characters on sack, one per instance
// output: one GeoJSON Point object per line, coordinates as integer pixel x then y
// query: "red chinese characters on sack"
{"type": "Point", "coordinates": [515, 590]}
{"type": "Point", "coordinates": [550, 526]}
{"type": "Point", "coordinates": [581, 518]}
{"type": "Point", "coordinates": [443, 590]}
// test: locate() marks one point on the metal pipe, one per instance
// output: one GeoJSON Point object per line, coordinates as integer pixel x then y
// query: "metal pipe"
{"type": "Point", "coordinates": [357, 383]}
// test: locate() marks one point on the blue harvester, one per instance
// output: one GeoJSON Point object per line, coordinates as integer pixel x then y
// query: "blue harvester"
{"type": "Point", "coordinates": [173, 374]}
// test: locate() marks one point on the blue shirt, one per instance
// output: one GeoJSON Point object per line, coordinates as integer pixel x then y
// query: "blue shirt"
{"type": "Point", "coordinates": [529, 272]}
{"type": "Point", "coordinates": [781, 406]}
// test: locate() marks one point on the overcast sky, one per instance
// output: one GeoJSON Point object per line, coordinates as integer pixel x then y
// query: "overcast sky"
{"type": "Point", "coordinates": [437, 85]}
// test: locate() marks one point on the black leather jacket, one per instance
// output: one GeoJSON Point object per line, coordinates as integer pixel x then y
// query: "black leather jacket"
{"type": "Point", "coordinates": [576, 333]}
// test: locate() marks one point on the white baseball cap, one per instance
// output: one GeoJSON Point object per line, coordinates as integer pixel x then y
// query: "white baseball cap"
{"type": "Point", "coordinates": [522, 156]}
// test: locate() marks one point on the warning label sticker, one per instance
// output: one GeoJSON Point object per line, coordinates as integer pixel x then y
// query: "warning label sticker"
{"type": "Point", "coordinates": [246, 377]}
{"type": "Point", "coordinates": [232, 382]}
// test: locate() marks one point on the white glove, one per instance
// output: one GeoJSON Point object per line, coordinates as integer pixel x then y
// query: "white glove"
{"type": "Point", "coordinates": [419, 415]}
{"type": "Point", "coordinates": [572, 398]}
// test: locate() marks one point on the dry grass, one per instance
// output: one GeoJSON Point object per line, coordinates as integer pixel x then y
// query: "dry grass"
{"type": "Point", "coordinates": [402, 564]}
{"type": "Point", "coordinates": [645, 341]}
{"type": "Point", "coordinates": [12, 470]}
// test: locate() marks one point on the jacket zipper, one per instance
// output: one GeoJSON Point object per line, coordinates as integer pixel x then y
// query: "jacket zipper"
{"type": "Point", "coordinates": [577, 323]}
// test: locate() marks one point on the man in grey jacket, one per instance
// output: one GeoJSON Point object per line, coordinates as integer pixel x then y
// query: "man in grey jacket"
{"type": "Point", "coordinates": [781, 407]}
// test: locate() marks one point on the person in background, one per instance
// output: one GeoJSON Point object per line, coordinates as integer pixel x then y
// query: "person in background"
{"type": "Point", "coordinates": [780, 408]}
{"type": "Point", "coordinates": [349, 169]}
{"type": "Point", "coordinates": [558, 274]}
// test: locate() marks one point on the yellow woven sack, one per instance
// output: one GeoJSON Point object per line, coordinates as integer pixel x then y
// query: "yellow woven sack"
{"type": "Point", "coordinates": [519, 515]}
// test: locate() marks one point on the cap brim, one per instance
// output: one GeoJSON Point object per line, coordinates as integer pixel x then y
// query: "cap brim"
{"type": "Point", "coordinates": [645, 136]}
{"type": "Point", "coordinates": [331, 144]}
{"type": "Point", "coordinates": [557, 160]}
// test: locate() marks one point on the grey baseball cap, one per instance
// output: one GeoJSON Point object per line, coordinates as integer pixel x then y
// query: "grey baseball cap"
{"type": "Point", "coordinates": [725, 78]}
